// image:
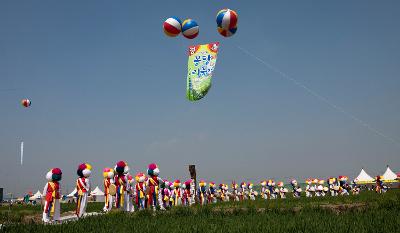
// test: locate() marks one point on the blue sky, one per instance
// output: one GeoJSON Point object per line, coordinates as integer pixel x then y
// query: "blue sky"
{"type": "Point", "coordinates": [107, 85]}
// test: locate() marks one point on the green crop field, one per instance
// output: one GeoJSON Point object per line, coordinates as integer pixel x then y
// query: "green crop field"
{"type": "Point", "coordinates": [368, 212]}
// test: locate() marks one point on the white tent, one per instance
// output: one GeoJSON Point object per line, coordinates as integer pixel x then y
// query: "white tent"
{"type": "Point", "coordinates": [97, 195]}
{"type": "Point", "coordinates": [36, 196]}
{"type": "Point", "coordinates": [389, 175]}
{"type": "Point", "coordinates": [364, 178]}
{"type": "Point", "coordinates": [72, 194]}
{"type": "Point", "coordinates": [97, 192]}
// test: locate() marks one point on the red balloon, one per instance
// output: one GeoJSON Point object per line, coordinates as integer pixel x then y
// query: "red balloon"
{"type": "Point", "coordinates": [26, 103]}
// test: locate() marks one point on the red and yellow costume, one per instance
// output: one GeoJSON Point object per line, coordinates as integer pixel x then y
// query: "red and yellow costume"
{"type": "Point", "coordinates": [121, 183]}
{"type": "Point", "coordinates": [177, 193]}
{"type": "Point", "coordinates": [153, 184]}
{"type": "Point", "coordinates": [82, 188]}
{"type": "Point", "coordinates": [108, 174]}
{"type": "Point", "coordinates": [52, 196]}
{"type": "Point", "coordinates": [140, 189]}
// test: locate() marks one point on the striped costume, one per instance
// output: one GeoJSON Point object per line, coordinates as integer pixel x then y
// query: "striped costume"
{"type": "Point", "coordinates": [52, 202]}
{"type": "Point", "coordinates": [82, 187]}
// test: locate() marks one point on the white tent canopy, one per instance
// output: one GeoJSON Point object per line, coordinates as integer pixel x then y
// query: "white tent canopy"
{"type": "Point", "coordinates": [389, 175]}
{"type": "Point", "coordinates": [97, 195]}
{"type": "Point", "coordinates": [37, 195]}
{"type": "Point", "coordinates": [363, 178]}
{"type": "Point", "coordinates": [72, 194]}
{"type": "Point", "coordinates": [97, 192]}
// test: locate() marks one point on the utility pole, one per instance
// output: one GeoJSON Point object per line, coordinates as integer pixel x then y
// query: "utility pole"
{"type": "Point", "coordinates": [192, 171]}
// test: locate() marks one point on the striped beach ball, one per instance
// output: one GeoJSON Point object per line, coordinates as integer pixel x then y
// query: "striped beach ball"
{"type": "Point", "coordinates": [172, 26]}
{"type": "Point", "coordinates": [227, 32]}
{"type": "Point", "coordinates": [227, 19]}
{"type": "Point", "coordinates": [190, 29]}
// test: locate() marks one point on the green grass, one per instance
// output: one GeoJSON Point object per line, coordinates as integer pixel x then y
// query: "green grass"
{"type": "Point", "coordinates": [17, 213]}
{"type": "Point", "coordinates": [380, 213]}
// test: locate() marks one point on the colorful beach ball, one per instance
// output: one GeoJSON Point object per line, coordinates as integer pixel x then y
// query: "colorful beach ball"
{"type": "Point", "coordinates": [26, 103]}
{"type": "Point", "coordinates": [227, 32]}
{"type": "Point", "coordinates": [190, 29]}
{"type": "Point", "coordinates": [172, 26]}
{"type": "Point", "coordinates": [227, 19]}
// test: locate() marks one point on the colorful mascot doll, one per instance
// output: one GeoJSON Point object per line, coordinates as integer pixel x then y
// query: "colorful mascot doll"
{"type": "Point", "coordinates": [140, 190]}
{"type": "Point", "coordinates": [355, 190]}
{"type": "Point", "coordinates": [131, 193]}
{"type": "Point", "coordinates": [177, 193]}
{"type": "Point", "coordinates": [251, 193]}
{"type": "Point", "coordinates": [313, 186]}
{"type": "Point", "coordinates": [187, 193]}
{"type": "Point", "coordinates": [343, 189]}
{"type": "Point", "coordinates": [211, 194]}
{"type": "Point", "coordinates": [275, 191]}
{"type": "Point", "coordinates": [331, 187]}
{"type": "Point", "coordinates": [308, 188]}
{"type": "Point", "coordinates": [122, 185]}
{"type": "Point", "coordinates": [83, 188]}
{"type": "Point", "coordinates": [243, 191]}
{"type": "Point", "coordinates": [325, 191]}
{"type": "Point", "coordinates": [295, 189]}
{"type": "Point", "coordinates": [282, 190]}
{"type": "Point", "coordinates": [147, 196]}
{"type": "Point", "coordinates": [166, 194]}
{"type": "Point", "coordinates": [108, 174]}
{"type": "Point", "coordinates": [184, 196]}
{"type": "Point", "coordinates": [227, 194]}
{"type": "Point", "coordinates": [264, 189]}
{"type": "Point", "coordinates": [320, 189]}
{"type": "Point", "coordinates": [171, 191]}
{"type": "Point", "coordinates": [235, 191]}
{"type": "Point", "coordinates": [221, 192]}
{"type": "Point", "coordinates": [202, 192]}
{"type": "Point", "coordinates": [51, 193]}
{"type": "Point", "coordinates": [336, 187]}
{"type": "Point", "coordinates": [153, 184]}
{"type": "Point", "coordinates": [271, 188]}
{"type": "Point", "coordinates": [379, 185]}
{"type": "Point", "coordinates": [317, 192]}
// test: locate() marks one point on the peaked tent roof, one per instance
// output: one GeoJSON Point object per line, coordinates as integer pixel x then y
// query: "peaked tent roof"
{"type": "Point", "coordinates": [389, 175]}
{"type": "Point", "coordinates": [364, 178]}
{"type": "Point", "coordinates": [37, 195]}
{"type": "Point", "coordinates": [97, 192]}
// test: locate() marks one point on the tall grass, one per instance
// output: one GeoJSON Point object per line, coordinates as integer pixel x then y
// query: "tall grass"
{"type": "Point", "coordinates": [381, 214]}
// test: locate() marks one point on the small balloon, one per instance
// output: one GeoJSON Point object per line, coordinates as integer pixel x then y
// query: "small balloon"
{"type": "Point", "coordinates": [190, 29]}
{"type": "Point", "coordinates": [172, 26]}
{"type": "Point", "coordinates": [26, 103]}
{"type": "Point", "coordinates": [227, 19]}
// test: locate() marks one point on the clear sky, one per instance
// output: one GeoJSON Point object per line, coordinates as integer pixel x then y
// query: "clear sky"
{"type": "Point", "coordinates": [106, 84]}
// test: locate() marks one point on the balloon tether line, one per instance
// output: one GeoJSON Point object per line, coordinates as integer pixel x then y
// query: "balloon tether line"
{"type": "Point", "coordinates": [318, 96]}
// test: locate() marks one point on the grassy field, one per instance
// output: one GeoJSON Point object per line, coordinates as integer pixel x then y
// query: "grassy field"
{"type": "Point", "coordinates": [29, 213]}
{"type": "Point", "coordinates": [368, 212]}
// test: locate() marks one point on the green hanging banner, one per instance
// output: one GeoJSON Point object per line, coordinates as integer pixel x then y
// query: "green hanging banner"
{"type": "Point", "coordinates": [201, 64]}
